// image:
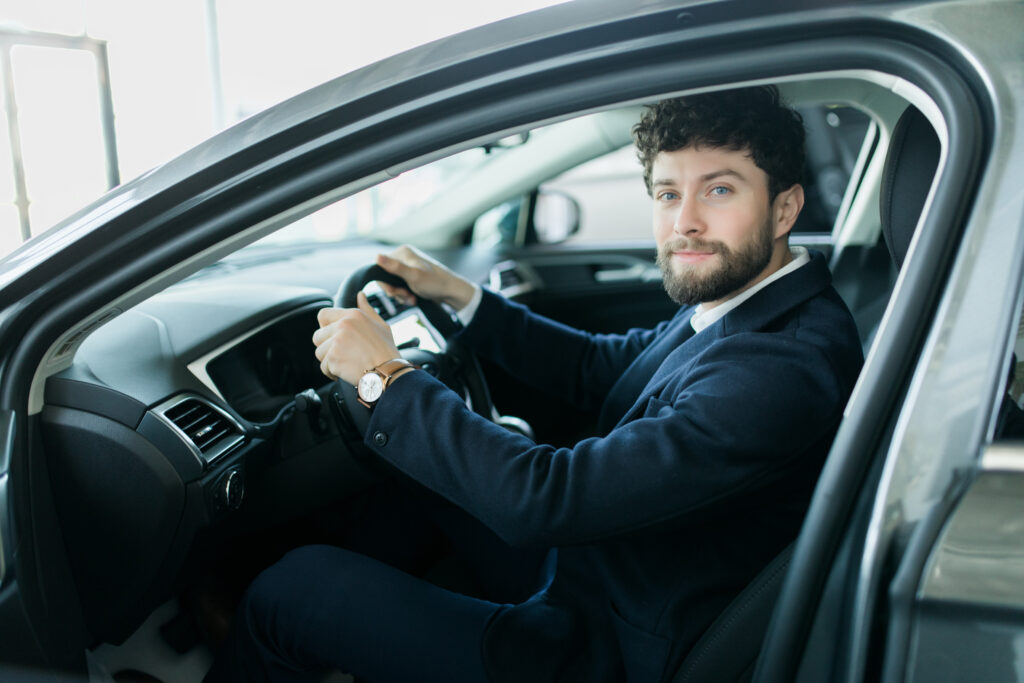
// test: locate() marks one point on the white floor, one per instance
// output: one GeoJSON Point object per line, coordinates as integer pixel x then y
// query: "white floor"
{"type": "Point", "coordinates": [146, 651]}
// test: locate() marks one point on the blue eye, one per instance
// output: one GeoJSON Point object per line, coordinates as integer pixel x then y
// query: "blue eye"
{"type": "Point", "coordinates": [668, 196]}
{"type": "Point", "coordinates": [720, 191]}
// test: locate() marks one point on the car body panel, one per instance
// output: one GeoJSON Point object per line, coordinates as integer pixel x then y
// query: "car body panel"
{"type": "Point", "coordinates": [960, 368]}
{"type": "Point", "coordinates": [970, 600]}
{"type": "Point", "coordinates": [924, 405]}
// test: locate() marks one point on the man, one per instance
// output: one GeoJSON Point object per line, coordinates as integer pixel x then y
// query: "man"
{"type": "Point", "coordinates": [713, 428]}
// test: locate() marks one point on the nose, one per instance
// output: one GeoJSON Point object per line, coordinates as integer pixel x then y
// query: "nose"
{"type": "Point", "coordinates": [689, 219]}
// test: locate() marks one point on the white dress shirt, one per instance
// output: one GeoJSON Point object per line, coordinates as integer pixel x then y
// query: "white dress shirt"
{"type": "Point", "coordinates": [705, 317]}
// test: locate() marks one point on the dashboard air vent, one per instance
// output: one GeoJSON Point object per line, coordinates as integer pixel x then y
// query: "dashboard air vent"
{"type": "Point", "coordinates": [201, 424]}
{"type": "Point", "coordinates": [211, 431]}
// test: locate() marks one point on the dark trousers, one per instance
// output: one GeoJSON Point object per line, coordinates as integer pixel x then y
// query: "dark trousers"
{"type": "Point", "coordinates": [323, 608]}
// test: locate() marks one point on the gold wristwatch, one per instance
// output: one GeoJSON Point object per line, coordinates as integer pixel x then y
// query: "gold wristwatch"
{"type": "Point", "coordinates": [371, 386]}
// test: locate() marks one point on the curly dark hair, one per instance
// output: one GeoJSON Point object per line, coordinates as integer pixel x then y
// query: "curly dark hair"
{"type": "Point", "coordinates": [752, 119]}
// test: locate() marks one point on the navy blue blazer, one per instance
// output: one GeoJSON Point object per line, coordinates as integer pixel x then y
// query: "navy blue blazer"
{"type": "Point", "coordinates": [709, 450]}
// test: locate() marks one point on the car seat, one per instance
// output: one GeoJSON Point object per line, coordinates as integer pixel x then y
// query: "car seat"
{"type": "Point", "coordinates": [728, 650]}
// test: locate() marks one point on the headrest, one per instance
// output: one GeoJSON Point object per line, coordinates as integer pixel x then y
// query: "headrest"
{"type": "Point", "coordinates": [909, 170]}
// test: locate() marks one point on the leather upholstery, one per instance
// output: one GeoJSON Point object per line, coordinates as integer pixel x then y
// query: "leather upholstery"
{"type": "Point", "coordinates": [909, 169]}
{"type": "Point", "coordinates": [728, 649]}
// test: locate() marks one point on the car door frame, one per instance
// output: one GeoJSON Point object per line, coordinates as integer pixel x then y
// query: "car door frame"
{"type": "Point", "coordinates": [380, 130]}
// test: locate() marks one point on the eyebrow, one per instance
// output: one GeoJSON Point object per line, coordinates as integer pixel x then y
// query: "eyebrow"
{"type": "Point", "coordinates": [725, 171]}
{"type": "Point", "coordinates": [659, 182]}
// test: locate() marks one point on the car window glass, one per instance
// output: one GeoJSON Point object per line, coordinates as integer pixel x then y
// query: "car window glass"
{"type": "Point", "coordinates": [835, 135]}
{"type": "Point", "coordinates": [1010, 418]}
{"type": "Point", "coordinates": [366, 213]}
{"type": "Point", "coordinates": [614, 205]}
{"type": "Point", "coordinates": [608, 191]}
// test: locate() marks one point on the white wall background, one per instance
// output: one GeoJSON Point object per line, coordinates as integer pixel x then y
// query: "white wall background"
{"type": "Point", "coordinates": [162, 76]}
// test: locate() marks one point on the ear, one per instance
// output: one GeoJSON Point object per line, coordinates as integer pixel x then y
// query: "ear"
{"type": "Point", "coordinates": [786, 208]}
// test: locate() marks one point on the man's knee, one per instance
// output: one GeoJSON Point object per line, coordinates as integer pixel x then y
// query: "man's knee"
{"type": "Point", "coordinates": [276, 623]}
{"type": "Point", "coordinates": [287, 585]}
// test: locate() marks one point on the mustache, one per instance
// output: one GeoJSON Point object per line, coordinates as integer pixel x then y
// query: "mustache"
{"type": "Point", "coordinates": [691, 244]}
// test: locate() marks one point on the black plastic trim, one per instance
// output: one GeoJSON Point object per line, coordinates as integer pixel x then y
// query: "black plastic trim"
{"type": "Point", "coordinates": [6, 537]}
{"type": "Point", "coordinates": [907, 578]}
{"type": "Point", "coordinates": [171, 444]}
{"type": "Point", "coordinates": [94, 398]}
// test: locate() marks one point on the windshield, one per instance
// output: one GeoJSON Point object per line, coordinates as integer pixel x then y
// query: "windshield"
{"type": "Point", "coordinates": [366, 214]}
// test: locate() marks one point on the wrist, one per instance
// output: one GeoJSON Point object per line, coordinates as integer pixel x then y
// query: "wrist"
{"type": "Point", "coordinates": [460, 294]}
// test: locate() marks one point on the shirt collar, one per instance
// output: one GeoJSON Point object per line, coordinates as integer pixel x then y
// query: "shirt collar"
{"type": "Point", "coordinates": [704, 318]}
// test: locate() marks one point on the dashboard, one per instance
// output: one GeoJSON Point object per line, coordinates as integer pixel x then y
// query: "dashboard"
{"type": "Point", "coordinates": [160, 430]}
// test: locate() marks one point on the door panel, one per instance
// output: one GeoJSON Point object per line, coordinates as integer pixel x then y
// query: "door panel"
{"type": "Point", "coordinates": [598, 289]}
{"type": "Point", "coordinates": [594, 289]}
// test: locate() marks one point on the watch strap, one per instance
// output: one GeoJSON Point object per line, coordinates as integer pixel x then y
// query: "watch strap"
{"type": "Point", "coordinates": [389, 368]}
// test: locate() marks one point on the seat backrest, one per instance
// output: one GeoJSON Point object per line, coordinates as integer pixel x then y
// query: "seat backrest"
{"type": "Point", "coordinates": [728, 650]}
{"type": "Point", "coordinates": [864, 275]}
{"type": "Point", "coordinates": [909, 170]}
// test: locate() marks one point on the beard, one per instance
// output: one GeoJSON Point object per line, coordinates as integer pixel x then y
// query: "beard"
{"type": "Point", "coordinates": [736, 268]}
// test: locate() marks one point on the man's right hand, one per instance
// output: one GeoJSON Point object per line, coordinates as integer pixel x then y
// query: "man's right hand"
{"type": "Point", "coordinates": [426, 277]}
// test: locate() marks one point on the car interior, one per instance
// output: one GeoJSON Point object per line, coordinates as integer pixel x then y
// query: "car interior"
{"type": "Point", "coordinates": [190, 438]}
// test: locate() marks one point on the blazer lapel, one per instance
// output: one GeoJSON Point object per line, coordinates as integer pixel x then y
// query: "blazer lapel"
{"type": "Point", "coordinates": [623, 394]}
{"type": "Point", "coordinates": [756, 313]}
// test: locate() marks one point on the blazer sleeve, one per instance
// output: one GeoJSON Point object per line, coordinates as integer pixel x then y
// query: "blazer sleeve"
{"type": "Point", "coordinates": [574, 365]}
{"type": "Point", "coordinates": [726, 424]}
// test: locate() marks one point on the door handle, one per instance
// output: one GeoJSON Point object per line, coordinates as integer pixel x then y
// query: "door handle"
{"type": "Point", "coordinates": [638, 272]}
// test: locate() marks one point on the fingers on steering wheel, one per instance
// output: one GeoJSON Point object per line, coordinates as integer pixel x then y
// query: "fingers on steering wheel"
{"type": "Point", "coordinates": [363, 304]}
{"type": "Point", "coordinates": [400, 293]}
{"type": "Point", "coordinates": [404, 255]}
{"type": "Point", "coordinates": [326, 369]}
{"type": "Point", "coordinates": [394, 264]}
{"type": "Point", "coordinates": [326, 316]}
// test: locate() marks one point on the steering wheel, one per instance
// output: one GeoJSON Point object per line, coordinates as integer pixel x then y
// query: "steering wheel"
{"type": "Point", "coordinates": [456, 366]}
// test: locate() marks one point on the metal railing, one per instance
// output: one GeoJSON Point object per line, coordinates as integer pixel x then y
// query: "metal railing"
{"type": "Point", "coordinates": [10, 38]}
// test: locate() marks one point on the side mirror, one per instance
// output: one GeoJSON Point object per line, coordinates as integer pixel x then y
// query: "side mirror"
{"type": "Point", "coordinates": [556, 217]}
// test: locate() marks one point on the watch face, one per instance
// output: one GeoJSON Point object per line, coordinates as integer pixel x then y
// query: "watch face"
{"type": "Point", "coordinates": [370, 387]}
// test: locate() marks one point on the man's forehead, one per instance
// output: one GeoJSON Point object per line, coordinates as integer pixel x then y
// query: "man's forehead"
{"type": "Point", "coordinates": [704, 153]}
{"type": "Point", "coordinates": [705, 161]}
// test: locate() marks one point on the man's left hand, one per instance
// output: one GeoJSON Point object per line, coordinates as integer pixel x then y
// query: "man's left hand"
{"type": "Point", "coordinates": [351, 341]}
